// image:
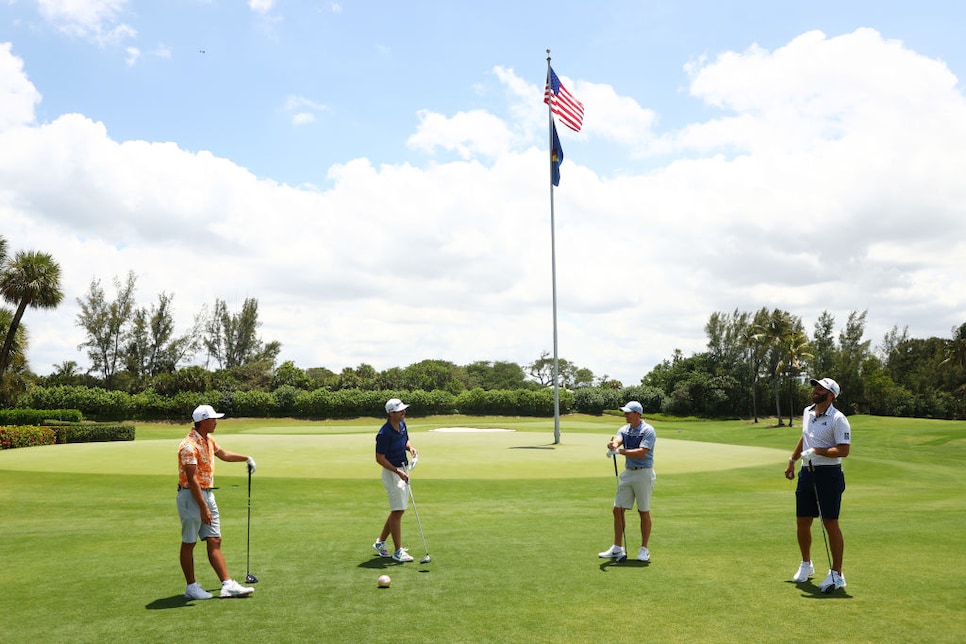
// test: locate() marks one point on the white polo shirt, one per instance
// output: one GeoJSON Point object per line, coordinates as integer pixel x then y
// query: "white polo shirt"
{"type": "Point", "coordinates": [825, 430]}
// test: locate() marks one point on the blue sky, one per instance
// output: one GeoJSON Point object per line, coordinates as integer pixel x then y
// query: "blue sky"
{"type": "Point", "coordinates": [375, 172]}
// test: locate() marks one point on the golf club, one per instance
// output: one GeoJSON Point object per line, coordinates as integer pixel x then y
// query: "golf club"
{"type": "Point", "coordinates": [821, 520]}
{"type": "Point", "coordinates": [427, 558]}
{"type": "Point", "coordinates": [249, 577]}
{"type": "Point", "coordinates": [623, 557]}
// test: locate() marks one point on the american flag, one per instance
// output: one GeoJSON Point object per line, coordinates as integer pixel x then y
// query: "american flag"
{"type": "Point", "coordinates": [568, 109]}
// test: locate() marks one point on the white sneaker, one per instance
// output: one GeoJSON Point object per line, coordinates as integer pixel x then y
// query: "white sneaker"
{"type": "Point", "coordinates": [615, 552]}
{"type": "Point", "coordinates": [231, 589]}
{"type": "Point", "coordinates": [380, 547]}
{"type": "Point", "coordinates": [644, 554]}
{"type": "Point", "coordinates": [195, 591]}
{"type": "Point", "coordinates": [834, 581]}
{"type": "Point", "coordinates": [805, 571]}
{"type": "Point", "coordinates": [402, 555]}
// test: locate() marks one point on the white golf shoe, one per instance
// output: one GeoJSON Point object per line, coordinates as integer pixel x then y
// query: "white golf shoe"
{"type": "Point", "coordinates": [380, 547]}
{"type": "Point", "coordinates": [195, 591]}
{"type": "Point", "coordinates": [615, 552]}
{"type": "Point", "coordinates": [833, 581]}
{"type": "Point", "coordinates": [805, 571]}
{"type": "Point", "coordinates": [643, 554]}
{"type": "Point", "coordinates": [231, 589]}
{"type": "Point", "coordinates": [402, 555]}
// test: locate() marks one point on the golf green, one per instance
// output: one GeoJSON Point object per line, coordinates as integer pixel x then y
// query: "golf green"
{"type": "Point", "coordinates": [514, 522]}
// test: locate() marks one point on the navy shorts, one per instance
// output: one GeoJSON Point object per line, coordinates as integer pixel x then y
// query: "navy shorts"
{"type": "Point", "coordinates": [830, 483]}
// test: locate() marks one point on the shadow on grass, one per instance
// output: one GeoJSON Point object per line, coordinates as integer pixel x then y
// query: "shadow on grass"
{"type": "Point", "coordinates": [175, 601]}
{"type": "Point", "coordinates": [811, 591]}
{"type": "Point", "coordinates": [532, 447]}
{"type": "Point", "coordinates": [627, 563]}
{"type": "Point", "coordinates": [379, 563]}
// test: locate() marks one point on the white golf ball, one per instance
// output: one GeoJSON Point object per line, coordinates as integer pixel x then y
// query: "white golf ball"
{"type": "Point", "coordinates": [383, 581]}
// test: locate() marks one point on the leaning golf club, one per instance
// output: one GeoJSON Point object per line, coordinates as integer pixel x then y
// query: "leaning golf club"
{"type": "Point", "coordinates": [427, 558]}
{"type": "Point", "coordinates": [623, 557]}
{"type": "Point", "coordinates": [249, 577]}
{"type": "Point", "coordinates": [821, 520]}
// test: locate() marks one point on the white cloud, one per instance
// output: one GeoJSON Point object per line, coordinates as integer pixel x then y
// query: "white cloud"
{"type": "Point", "coordinates": [822, 182]}
{"type": "Point", "coordinates": [19, 94]}
{"type": "Point", "coordinates": [303, 111]}
{"type": "Point", "coordinates": [466, 133]}
{"type": "Point", "coordinates": [95, 20]}
{"type": "Point", "coordinates": [261, 6]}
{"type": "Point", "coordinates": [132, 57]}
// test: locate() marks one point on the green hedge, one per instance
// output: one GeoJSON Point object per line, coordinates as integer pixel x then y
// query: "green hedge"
{"type": "Point", "coordinates": [104, 405]}
{"type": "Point", "coordinates": [38, 416]}
{"type": "Point", "coordinates": [93, 433]}
{"type": "Point", "coordinates": [25, 436]}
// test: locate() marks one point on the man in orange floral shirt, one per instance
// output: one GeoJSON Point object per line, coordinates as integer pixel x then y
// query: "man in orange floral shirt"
{"type": "Point", "coordinates": [196, 503]}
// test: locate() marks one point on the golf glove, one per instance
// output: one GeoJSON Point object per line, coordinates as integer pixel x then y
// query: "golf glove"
{"type": "Point", "coordinates": [807, 455]}
{"type": "Point", "coordinates": [611, 453]}
{"type": "Point", "coordinates": [251, 465]}
{"type": "Point", "coordinates": [412, 463]}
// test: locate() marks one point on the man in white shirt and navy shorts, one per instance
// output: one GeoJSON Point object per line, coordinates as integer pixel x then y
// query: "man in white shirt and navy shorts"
{"type": "Point", "coordinates": [826, 439]}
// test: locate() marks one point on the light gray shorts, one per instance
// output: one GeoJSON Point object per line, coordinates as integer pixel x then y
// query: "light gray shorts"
{"type": "Point", "coordinates": [191, 526]}
{"type": "Point", "coordinates": [395, 490]}
{"type": "Point", "coordinates": [635, 484]}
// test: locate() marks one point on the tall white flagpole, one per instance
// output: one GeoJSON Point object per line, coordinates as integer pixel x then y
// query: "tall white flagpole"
{"type": "Point", "coordinates": [553, 273]}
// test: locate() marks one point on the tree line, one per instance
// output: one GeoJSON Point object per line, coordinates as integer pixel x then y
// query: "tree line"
{"type": "Point", "coordinates": [756, 363]}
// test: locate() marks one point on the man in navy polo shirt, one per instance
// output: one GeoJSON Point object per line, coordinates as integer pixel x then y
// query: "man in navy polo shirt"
{"type": "Point", "coordinates": [392, 443]}
{"type": "Point", "coordinates": [635, 441]}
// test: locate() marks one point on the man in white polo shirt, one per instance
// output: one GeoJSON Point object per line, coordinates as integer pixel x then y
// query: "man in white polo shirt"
{"type": "Point", "coordinates": [826, 438]}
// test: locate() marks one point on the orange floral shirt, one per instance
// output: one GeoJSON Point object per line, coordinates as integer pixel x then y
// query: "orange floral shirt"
{"type": "Point", "coordinates": [197, 450]}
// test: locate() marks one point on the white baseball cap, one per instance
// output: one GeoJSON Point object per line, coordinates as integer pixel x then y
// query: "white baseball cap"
{"type": "Point", "coordinates": [829, 384]}
{"type": "Point", "coordinates": [633, 406]}
{"type": "Point", "coordinates": [394, 404]}
{"type": "Point", "coordinates": [203, 412]}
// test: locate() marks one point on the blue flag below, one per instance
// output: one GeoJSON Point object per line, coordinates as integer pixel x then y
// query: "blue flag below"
{"type": "Point", "coordinates": [556, 156]}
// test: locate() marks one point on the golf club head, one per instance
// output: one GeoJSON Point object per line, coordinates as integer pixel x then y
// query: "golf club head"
{"type": "Point", "coordinates": [621, 559]}
{"type": "Point", "coordinates": [426, 559]}
{"type": "Point", "coordinates": [251, 579]}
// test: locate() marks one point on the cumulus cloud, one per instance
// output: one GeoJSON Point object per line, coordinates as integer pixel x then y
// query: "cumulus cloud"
{"type": "Point", "coordinates": [261, 6]}
{"type": "Point", "coordinates": [302, 110]}
{"type": "Point", "coordinates": [826, 178]}
{"type": "Point", "coordinates": [94, 20]}
{"type": "Point", "coordinates": [18, 93]}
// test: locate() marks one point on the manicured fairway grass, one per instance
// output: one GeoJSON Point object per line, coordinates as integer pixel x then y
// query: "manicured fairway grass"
{"type": "Point", "coordinates": [89, 537]}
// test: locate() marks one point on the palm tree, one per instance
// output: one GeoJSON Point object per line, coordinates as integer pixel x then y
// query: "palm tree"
{"type": "Point", "coordinates": [797, 349]}
{"type": "Point", "coordinates": [955, 350]}
{"type": "Point", "coordinates": [775, 334]}
{"type": "Point", "coordinates": [31, 279]}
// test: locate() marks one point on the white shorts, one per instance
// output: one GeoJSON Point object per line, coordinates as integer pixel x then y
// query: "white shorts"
{"type": "Point", "coordinates": [396, 490]}
{"type": "Point", "coordinates": [635, 484]}
{"type": "Point", "coordinates": [191, 526]}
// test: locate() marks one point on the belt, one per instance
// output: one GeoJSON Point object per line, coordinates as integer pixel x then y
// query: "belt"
{"type": "Point", "coordinates": [638, 468]}
{"type": "Point", "coordinates": [204, 489]}
{"type": "Point", "coordinates": [827, 467]}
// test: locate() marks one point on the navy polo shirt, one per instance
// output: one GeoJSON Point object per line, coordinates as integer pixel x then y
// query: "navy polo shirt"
{"type": "Point", "coordinates": [393, 443]}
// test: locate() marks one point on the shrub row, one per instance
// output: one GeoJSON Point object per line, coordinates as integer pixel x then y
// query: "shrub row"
{"type": "Point", "coordinates": [25, 436]}
{"type": "Point", "coordinates": [38, 416]}
{"type": "Point", "coordinates": [105, 405]}
{"type": "Point", "coordinates": [93, 433]}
